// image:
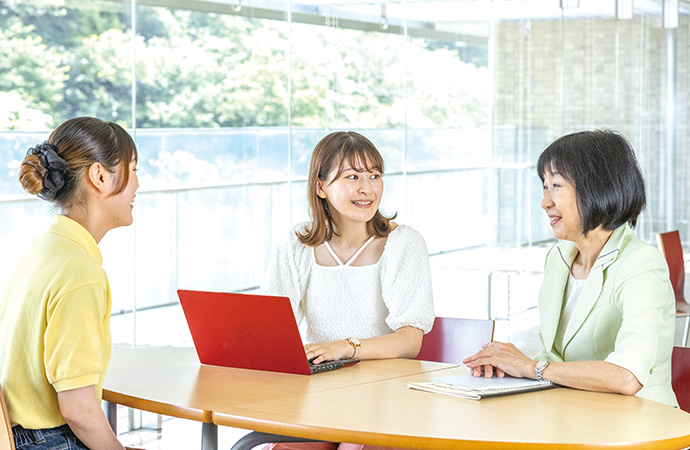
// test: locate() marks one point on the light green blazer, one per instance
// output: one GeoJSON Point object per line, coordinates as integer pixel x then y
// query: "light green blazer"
{"type": "Point", "coordinates": [625, 314]}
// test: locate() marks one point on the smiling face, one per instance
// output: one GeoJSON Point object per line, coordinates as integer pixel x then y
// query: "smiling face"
{"type": "Point", "coordinates": [352, 195]}
{"type": "Point", "coordinates": [120, 205]}
{"type": "Point", "coordinates": [560, 203]}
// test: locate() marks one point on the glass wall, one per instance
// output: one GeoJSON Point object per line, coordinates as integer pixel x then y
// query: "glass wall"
{"type": "Point", "coordinates": [226, 100]}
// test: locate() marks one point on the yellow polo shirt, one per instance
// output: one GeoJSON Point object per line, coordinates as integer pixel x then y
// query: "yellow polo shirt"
{"type": "Point", "coordinates": [54, 324]}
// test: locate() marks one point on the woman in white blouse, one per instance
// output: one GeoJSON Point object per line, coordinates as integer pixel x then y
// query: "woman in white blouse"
{"type": "Point", "coordinates": [360, 282]}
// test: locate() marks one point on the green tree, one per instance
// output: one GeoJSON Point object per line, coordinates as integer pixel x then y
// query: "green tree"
{"type": "Point", "coordinates": [32, 77]}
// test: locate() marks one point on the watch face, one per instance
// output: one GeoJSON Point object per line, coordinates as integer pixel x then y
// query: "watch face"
{"type": "Point", "coordinates": [355, 341]}
{"type": "Point", "coordinates": [541, 365]}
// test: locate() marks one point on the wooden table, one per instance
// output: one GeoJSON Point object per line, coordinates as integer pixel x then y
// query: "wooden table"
{"type": "Point", "coordinates": [370, 404]}
{"type": "Point", "coordinates": [171, 381]}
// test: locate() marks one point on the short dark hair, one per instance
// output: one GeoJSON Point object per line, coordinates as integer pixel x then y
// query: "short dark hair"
{"type": "Point", "coordinates": [602, 166]}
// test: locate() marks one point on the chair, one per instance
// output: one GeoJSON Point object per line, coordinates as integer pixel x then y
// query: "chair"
{"type": "Point", "coordinates": [451, 340]}
{"type": "Point", "coordinates": [670, 246]}
{"type": "Point", "coordinates": [680, 376]}
{"type": "Point", "coordinates": [6, 439]}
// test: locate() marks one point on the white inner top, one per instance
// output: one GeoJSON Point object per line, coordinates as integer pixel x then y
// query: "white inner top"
{"type": "Point", "coordinates": [349, 261]}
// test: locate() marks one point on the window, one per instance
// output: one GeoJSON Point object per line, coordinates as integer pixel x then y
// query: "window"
{"type": "Point", "coordinates": [226, 101]}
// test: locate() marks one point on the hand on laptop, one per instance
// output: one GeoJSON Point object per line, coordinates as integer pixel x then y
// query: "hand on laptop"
{"type": "Point", "coordinates": [328, 351]}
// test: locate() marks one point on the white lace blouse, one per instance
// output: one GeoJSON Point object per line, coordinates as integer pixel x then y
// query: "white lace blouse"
{"type": "Point", "coordinates": [363, 301]}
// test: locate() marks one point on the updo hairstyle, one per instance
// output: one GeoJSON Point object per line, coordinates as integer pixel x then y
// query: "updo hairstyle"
{"type": "Point", "coordinates": [54, 169]}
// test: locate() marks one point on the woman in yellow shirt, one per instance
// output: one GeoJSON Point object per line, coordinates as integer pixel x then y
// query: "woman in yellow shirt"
{"type": "Point", "coordinates": [55, 314]}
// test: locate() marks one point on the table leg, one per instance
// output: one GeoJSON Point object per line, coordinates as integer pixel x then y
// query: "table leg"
{"type": "Point", "coordinates": [111, 415]}
{"type": "Point", "coordinates": [686, 330]}
{"type": "Point", "coordinates": [209, 436]}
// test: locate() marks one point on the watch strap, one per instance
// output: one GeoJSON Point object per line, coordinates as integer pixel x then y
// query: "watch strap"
{"type": "Point", "coordinates": [354, 342]}
{"type": "Point", "coordinates": [539, 369]}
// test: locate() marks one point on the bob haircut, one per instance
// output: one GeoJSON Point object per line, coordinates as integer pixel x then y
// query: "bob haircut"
{"type": "Point", "coordinates": [329, 157]}
{"type": "Point", "coordinates": [601, 165]}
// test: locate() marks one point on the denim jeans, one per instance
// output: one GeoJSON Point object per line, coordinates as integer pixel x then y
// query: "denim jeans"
{"type": "Point", "coordinates": [59, 438]}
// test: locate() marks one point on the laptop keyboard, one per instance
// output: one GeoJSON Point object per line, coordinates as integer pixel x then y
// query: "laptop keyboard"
{"type": "Point", "coordinates": [325, 366]}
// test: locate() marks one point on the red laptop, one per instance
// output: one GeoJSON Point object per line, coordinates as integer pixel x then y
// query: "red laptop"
{"type": "Point", "coordinates": [248, 331]}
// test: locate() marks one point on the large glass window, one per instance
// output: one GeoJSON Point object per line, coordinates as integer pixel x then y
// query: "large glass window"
{"type": "Point", "coordinates": [226, 101]}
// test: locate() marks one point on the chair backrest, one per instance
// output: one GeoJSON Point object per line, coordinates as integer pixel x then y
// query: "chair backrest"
{"type": "Point", "coordinates": [452, 340]}
{"type": "Point", "coordinates": [672, 249]}
{"type": "Point", "coordinates": [680, 376]}
{"type": "Point", "coordinates": [6, 439]}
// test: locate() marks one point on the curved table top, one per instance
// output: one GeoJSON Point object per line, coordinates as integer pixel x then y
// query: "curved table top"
{"type": "Point", "coordinates": [387, 413]}
{"type": "Point", "coordinates": [369, 403]}
{"type": "Point", "coordinates": [172, 381]}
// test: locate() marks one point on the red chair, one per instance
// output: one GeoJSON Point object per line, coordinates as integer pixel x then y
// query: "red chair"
{"type": "Point", "coordinates": [452, 340]}
{"type": "Point", "coordinates": [680, 376]}
{"type": "Point", "coordinates": [670, 246]}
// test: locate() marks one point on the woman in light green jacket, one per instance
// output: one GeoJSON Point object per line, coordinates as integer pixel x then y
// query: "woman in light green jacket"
{"type": "Point", "coordinates": [606, 305]}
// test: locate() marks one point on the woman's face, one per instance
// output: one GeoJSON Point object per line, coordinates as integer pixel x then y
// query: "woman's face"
{"type": "Point", "coordinates": [560, 204]}
{"type": "Point", "coordinates": [121, 205]}
{"type": "Point", "coordinates": [353, 195]}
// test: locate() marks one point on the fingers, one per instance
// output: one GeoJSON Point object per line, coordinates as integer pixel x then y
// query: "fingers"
{"type": "Point", "coordinates": [495, 359]}
{"type": "Point", "coordinates": [327, 351]}
{"type": "Point", "coordinates": [479, 355]}
{"type": "Point", "coordinates": [315, 352]}
{"type": "Point", "coordinates": [486, 371]}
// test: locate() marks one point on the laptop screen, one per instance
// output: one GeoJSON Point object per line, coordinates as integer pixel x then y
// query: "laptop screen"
{"type": "Point", "coordinates": [245, 331]}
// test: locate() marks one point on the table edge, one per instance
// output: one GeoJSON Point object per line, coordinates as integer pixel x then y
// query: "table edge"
{"type": "Point", "coordinates": [418, 442]}
{"type": "Point", "coordinates": [166, 409]}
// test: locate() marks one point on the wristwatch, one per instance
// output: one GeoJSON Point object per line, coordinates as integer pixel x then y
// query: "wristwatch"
{"type": "Point", "coordinates": [354, 342]}
{"type": "Point", "coordinates": [539, 368]}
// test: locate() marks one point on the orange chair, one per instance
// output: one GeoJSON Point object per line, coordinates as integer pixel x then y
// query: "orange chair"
{"type": "Point", "coordinates": [670, 246]}
{"type": "Point", "coordinates": [680, 376]}
{"type": "Point", "coordinates": [6, 439]}
{"type": "Point", "coordinates": [452, 340]}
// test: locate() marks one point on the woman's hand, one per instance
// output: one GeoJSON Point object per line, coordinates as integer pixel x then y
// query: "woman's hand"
{"type": "Point", "coordinates": [329, 351]}
{"type": "Point", "coordinates": [404, 343]}
{"type": "Point", "coordinates": [502, 359]}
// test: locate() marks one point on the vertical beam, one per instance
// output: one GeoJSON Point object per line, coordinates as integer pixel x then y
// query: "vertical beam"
{"type": "Point", "coordinates": [670, 172]}
{"type": "Point", "coordinates": [670, 22]}
{"type": "Point", "coordinates": [570, 4]}
{"type": "Point", "coordinates": [670, 14]}
{"type": "Point", "coordinates": [624, 9]}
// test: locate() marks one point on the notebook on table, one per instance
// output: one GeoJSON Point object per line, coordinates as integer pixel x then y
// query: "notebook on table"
{"type": "Point", "coordinates": [475, 388]}
{"type": "Point", "coordinates": [248, 331]}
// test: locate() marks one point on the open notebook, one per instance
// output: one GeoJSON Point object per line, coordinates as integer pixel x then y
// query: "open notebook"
{"type": "Point", "coordinates": [475, 388]}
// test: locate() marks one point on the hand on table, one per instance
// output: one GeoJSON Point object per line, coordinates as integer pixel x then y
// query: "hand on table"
{"type": "Point", "coordinates": [329, 351]}
{"type": "Point", "coordinates": [500, 358]}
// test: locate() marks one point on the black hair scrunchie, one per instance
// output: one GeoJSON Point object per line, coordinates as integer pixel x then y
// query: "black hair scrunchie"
{"type": "Point", "coordinates": [54, 179]}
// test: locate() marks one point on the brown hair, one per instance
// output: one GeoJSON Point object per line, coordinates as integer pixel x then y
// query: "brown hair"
{"type": "Point", "coordinates": [331, 153]}
{"type": "Point", "coordinates": [80, 142]}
